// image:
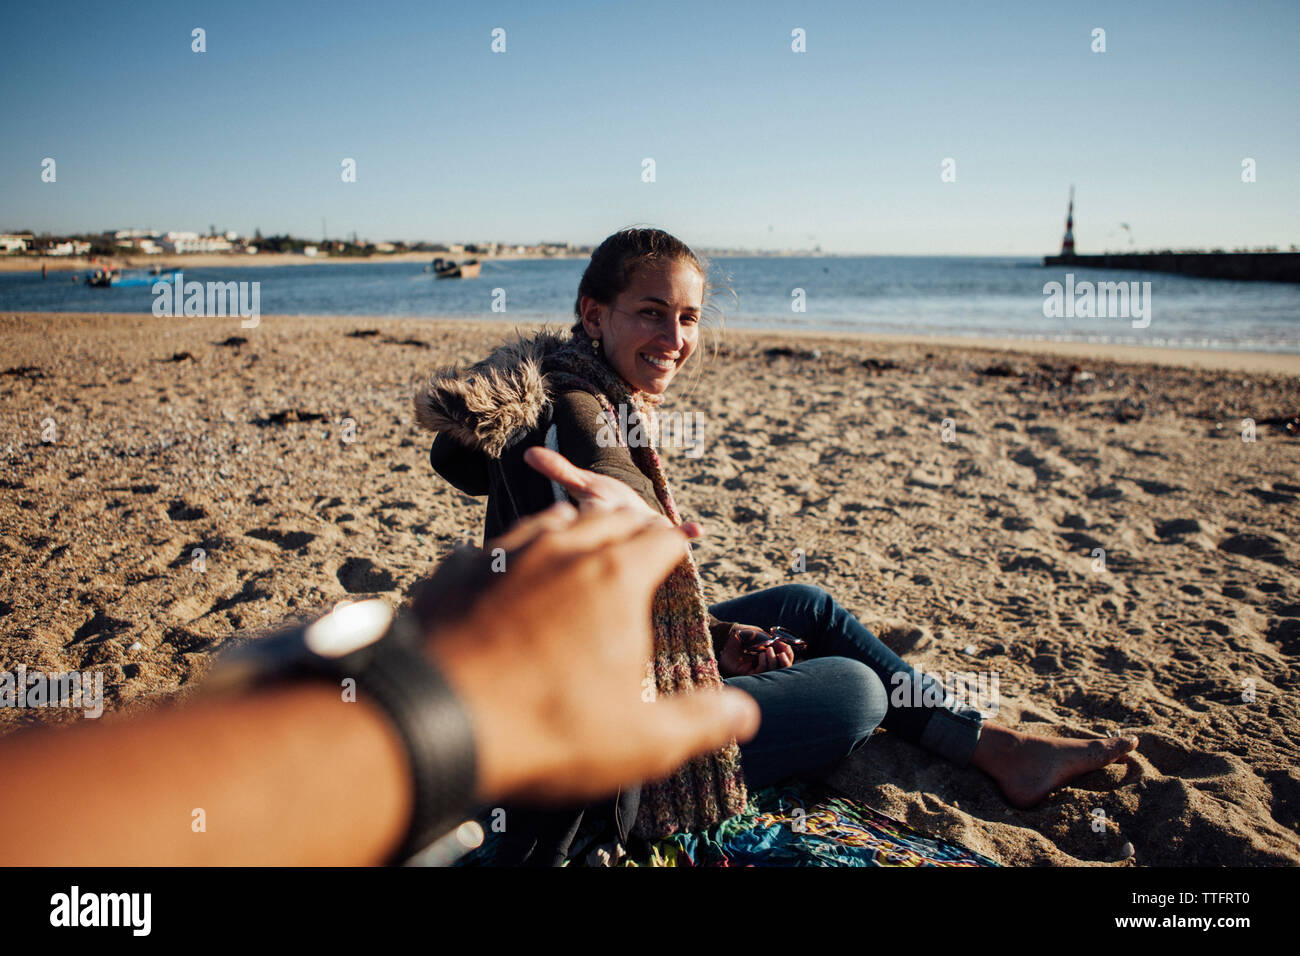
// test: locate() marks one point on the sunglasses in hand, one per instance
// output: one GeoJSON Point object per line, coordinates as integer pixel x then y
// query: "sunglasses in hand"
{"type": "Point", "coordinates": [754, 641]}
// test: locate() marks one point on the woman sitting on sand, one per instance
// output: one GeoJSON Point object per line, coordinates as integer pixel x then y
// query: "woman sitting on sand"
{"type": "Point", "coordinates": [591, 396]}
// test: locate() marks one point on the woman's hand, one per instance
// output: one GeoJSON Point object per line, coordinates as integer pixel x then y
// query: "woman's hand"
{"type": "Point", "coordinates": [592, 491]}
{"type": "Point", "coordinates": [734, 662]}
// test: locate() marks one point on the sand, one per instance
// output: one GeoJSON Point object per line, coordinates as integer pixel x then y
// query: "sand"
{"type": "Point", "coordinates": [198, 486]}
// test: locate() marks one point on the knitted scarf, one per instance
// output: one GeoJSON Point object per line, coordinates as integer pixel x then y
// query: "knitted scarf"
{"type": "Point", "coordinates": [711, 787]}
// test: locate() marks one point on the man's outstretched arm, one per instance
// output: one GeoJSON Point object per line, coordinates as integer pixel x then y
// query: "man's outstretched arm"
{"type": "Point", "coordinates": [294, 775]}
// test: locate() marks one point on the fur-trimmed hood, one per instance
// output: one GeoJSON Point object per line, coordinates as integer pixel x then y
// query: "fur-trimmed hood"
{"type": "Point", "coordinates": [491, 404]}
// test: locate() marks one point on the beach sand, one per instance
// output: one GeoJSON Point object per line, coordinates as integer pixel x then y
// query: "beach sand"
{"type": "Point", "coordinates": [198, 484]}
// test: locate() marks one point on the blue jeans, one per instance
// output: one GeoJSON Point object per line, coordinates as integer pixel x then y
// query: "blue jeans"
{"type": "Point", "coordinates": [824, 707]}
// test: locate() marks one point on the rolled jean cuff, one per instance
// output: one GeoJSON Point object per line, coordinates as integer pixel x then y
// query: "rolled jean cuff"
{"type": "Point", "coordinates": [953, 734]}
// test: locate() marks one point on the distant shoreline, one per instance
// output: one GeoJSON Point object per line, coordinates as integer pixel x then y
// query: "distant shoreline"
{"type": "Point", "coordinates": [219, 260]}
{"type": "Point", "coordinates": [29, 263]}
{"type": "Point", "coordinates": [1275, 363]}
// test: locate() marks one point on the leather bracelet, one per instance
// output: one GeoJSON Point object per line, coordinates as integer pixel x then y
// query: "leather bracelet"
{"type": "Point", "coordinates": [435, 729]}
{"type": "Point", "coordinates": [385, 655]}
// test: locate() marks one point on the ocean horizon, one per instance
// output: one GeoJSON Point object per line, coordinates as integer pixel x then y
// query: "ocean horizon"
{"type": "Point", "coordinates": [963, 296]}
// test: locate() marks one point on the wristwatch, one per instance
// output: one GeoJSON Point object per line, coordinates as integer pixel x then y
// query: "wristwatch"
{"type": "Point", "coordinates": [383, 654]}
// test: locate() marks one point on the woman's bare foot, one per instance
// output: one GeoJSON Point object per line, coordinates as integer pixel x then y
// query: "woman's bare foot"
{"type": "Point", "coordinates": [1027, 768]}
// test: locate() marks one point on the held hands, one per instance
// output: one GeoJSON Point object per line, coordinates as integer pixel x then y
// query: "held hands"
{"type": "Point", "coordinates": [549, 659]}
{"type": "Point", "coordinates": [736, 661]}
{"type": "Point", "coordinates": [595, 492]}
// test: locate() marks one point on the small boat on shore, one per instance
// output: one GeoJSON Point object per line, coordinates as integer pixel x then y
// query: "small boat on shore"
{"type": "Point", "coordinates": [450, 269]}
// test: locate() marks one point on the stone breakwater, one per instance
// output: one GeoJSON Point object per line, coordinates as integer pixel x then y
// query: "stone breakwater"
{"type": "Point", "coordinates": [1248, 266]}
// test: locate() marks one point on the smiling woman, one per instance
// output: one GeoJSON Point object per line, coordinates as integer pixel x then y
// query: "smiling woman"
{"type": "Point", "coordinates": [638, 311]}
{"type": "Point", "coordinates": [640, 302]}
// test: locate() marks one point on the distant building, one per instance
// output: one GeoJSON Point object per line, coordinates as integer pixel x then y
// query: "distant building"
{"type": "Point", "coordinates": [310, 251]}
{"type": "Point", "coordinates": [185, 242]}
{"type": "Point", "coordinates": [73, 247]}
{"type": "Point", "coordinates": [385, 247]}
{"type": "Point", "coordinates": [15, 242]}
{"type": "Point", "coordinates": [144, 246]}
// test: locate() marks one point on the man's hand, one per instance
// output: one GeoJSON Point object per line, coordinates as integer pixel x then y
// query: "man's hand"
{"type": "Point", "coordinates": [734, 662]}
{"type": "Point", "coordinates": [552, 658]}
{"type": "Point", "coordinates": [592, 491]}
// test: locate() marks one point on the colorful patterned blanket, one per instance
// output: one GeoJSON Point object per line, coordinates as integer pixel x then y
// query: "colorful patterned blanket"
{"type": "Point", "coordinates": [796, 823]}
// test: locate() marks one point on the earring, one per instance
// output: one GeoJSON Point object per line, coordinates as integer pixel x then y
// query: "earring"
{"type": "Point", "coordinates": [595, 345]}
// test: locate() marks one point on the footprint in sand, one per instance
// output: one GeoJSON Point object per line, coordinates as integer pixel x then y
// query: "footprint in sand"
{"type": "Point", "coordinates": [187, 554]}
{"type": "Point", "coordinates": [363, 576]}
{"type": "Point", "coordinates": [287, 417]}
{"type": "Point", "coordinates": [180, 511]}
{"type": "Point", "coordinates": [1285, 633]}
{"type": "Point", "coordinates": [249, 592]}
{"type": "Point", "coordinates": [1046, 468]}
{"type": "Point", "coordinates": [186, 642]}
{"type": "Point", "coordinates": [1103, 492]}
{"type": "Point", "coordinates": [1173, 759]}
{"type": "Point", "coordinates": [1270, 497]}
{"type": "Point", "coordinates": [1261, 547]}
{"type": "Point", "coordinates": [99, 627]}
{"type": "Point", "coordinates": [1284, 787]}
{"type": "Point", "coordinates": [1031, 562]}
{"type": "Point", "coordinates": [134, 489]}
{"type": "Point", "coordinates": [1177, 527]}
{"type": "Point", "coordinates": [287, 540]}
{"type": "Point", "coordinates": [1080, 541]}
{"type": "Point", "coordinates": [1158, 488]}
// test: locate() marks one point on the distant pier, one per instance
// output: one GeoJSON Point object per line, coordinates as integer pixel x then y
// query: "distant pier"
{"type": "Point", "coordinates": [1248, 266]}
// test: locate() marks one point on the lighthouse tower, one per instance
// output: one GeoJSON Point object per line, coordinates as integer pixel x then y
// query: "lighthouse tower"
{"type": "Point", "coordinates": [1067, 244]}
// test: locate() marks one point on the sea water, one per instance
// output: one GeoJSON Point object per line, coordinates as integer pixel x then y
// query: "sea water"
{"type": "Point", "coordinates": [914, 295]}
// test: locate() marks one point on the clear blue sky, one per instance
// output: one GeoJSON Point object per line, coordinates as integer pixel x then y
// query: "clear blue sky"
{"type": "Point", "coordinates": [755, 145]}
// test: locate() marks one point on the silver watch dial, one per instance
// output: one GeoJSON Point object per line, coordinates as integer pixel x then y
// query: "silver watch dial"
{"type": "Point", "coordinates": [349, 627]}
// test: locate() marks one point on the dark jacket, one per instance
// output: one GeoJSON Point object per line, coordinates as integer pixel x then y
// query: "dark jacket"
{"type": "Point", "coordinates": [512, 487]}
{"type": "Point", "coordinates": [486, 416]}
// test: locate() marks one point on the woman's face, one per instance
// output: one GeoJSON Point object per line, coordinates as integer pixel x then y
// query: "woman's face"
{"type": "Point", "coordinates": [651, 329]}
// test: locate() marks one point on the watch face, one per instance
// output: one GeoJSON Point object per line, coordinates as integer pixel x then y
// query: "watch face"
{"type": "Point", "coordinates": [348, 627]}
